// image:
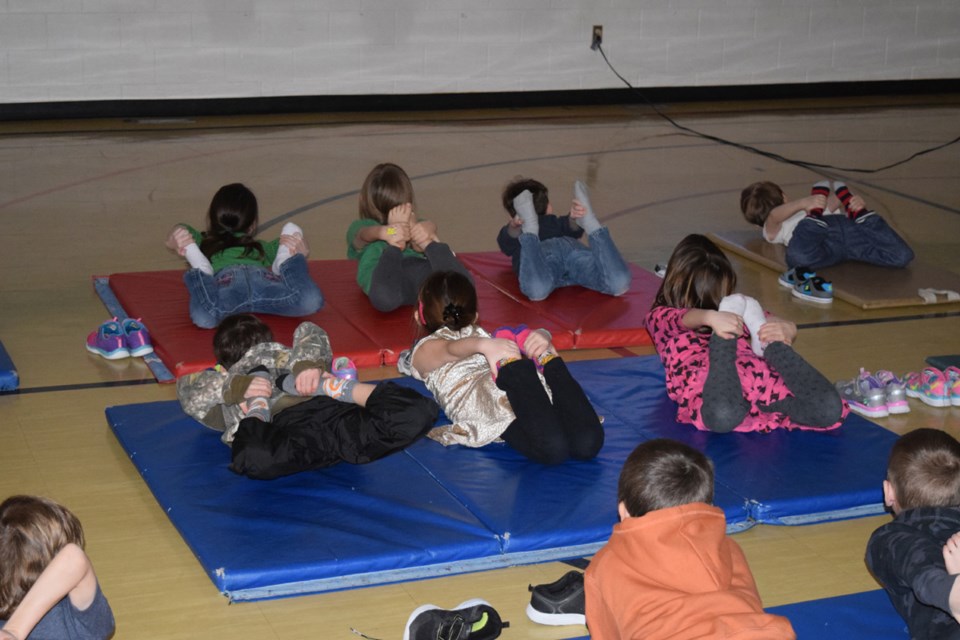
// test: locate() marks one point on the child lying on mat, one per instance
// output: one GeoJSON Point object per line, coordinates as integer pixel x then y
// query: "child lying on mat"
{"type": "Point", "coordinates": [318, 419]}
{"type": "Point", "coordinates": [545, 249]}
{"type": "Point", "coordinates": [395, 251]}
{"type": "Point", "coordinates": [729, 366]}
{"type": "Point", "coordinates": [823, 228]}
{"type": "Point", "coordinates": [511, 386]}
{"type": "Point", "coordinates": [669, 569]}
{"type": "Point", "coordinates": [233, 272]}
{"type": "Point", "coordinates": [48, 589]}
{"type": "Point", "coordinates": [916, 558]}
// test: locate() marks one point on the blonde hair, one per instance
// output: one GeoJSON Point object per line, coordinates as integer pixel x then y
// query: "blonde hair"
{"type": "Point", "coordinates": [32, 531]}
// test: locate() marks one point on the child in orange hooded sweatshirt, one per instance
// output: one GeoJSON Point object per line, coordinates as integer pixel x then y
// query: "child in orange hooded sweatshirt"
{"type": "Point", "coordinates": [669, 569]}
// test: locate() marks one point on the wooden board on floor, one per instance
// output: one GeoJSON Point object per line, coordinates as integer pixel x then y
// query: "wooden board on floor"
{"type": "Point", "coordinates": [864, 285]}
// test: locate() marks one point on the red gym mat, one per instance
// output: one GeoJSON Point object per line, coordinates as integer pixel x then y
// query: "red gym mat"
{"type": "Point", "coordinates": [576, 317]}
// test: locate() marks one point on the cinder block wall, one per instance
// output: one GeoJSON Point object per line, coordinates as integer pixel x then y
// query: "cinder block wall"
{"type": "Point", "coordinates": [63, 50]}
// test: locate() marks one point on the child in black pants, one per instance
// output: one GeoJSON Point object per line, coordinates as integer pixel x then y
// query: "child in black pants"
{"type": "Point", "coordinates": [281, 411]}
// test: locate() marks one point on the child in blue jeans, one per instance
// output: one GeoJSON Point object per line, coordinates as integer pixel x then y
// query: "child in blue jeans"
{"type": "Point", "coordinates": [545, 249]}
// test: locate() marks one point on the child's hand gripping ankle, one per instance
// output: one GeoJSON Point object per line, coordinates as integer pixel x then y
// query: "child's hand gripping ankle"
{"type": "Point", "coordinates": [498, 352]}
{"type": "Point", "coordinates": [951, 558]}
{"type": "Point", "coordinates": [725, 324]}
{"type": "Point", "coordinates": [314, 382]}
{"type": "Point", "coordinates": [256, 401]}
{"type": "Point", "coordinates": [538, 346]}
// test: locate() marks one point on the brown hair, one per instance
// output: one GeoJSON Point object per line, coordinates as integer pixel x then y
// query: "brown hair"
{"type": "Point", "coordinates": [664, 473]}
{"type": "Point", "coordinates": [447, 299]}
{"type": "Point", "coordinates": [232, 222]}
{"type": "Point", "coordinates": [698, 276]}
{"type": "Point", "coordinates": [759, 199]}
{"type": "Point", "coordinates": [385, 187]}
{"type": "Point", "coordinates": [541, 197]}
{"type": "Point", "coordinates": [235, 336]}
{"type": "Point", "coordinates": [924, 469]}
{"type": "Point", "coordinates": [32, 531]}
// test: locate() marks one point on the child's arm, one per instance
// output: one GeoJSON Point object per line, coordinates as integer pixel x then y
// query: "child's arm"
{"type": "Point", "coordinates": [572, 227]}
{"type": "Point", "coordinates": [723, 323]}
{"type": "Point", "coordinates": [777, 330]}
{"type": "Point", "coordinates": [201, 396]}
{"type": "Point", "coordinates": [951, 558]}
{"type": "Point", "coordinates": [70, 573]}
{"type": "Point", "coordinates": [538, 342]}
{"type": "Point", "coordinates": [778, 215]}
{"type": "Point", "coordinates": [433, 354]}
{"type": "Point", "coordinates": [179, 239]}
{"type": "Point", "coordinates": [311, 348]}
{"type": "Point", "coordinates": [396, 235]}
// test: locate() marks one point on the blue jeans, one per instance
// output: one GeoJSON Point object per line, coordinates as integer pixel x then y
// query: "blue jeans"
{"type": "Point", "coordinates": [251, 289]}
{"type": "Point", "coordinates": [823, 242]}
{"type": "Point", "coordinates": [561, 262]}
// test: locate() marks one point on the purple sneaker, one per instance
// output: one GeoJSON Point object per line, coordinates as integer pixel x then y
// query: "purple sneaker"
{"type": "Point", "coordinates": [109, 341]}
{"type": "Point", "coordinates": [344, 368]}
{"type": "Point", "coordinates": [865, 395]}
{"type": "Point", "coordinates": [894, 390]}
{"type": "Point", "coordinates": [137, 337]}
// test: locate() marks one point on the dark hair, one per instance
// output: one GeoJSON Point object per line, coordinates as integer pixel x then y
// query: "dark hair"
{"type": "Point", "coordinates": [698, 276]}
{"type": "Point", "coordinates": [520, 184]}
{"type": "Point", "coordinates": [236, 335]}
{"type": "Point", "coordinates": [924, 469]}
{"type": "Point", "coordinates": [447, 299]}
{"type": "Point", "coordinates": [32, 531]}
{"type": "Point", "coordinates": [759, 199]}
{"type": "Point", "coordinates": [664, 473]}
{"type": "Point", "coordinates": [386, 186]}
{"type": "Point", "coordinates": [232, 222]}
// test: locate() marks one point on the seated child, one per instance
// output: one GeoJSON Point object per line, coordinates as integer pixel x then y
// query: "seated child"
{"type": "Point", "coordinates": [233, 272]}
{"type": "Point", "coordinates": [669, 569]}
{"type": "Point", "coordinates": [48, 589]}
{"type": "Point", "coordinates": [915, 557]}
{"type": "Point", "coordinates": [823, 229]}
{"type": "Point", "coordinates": [394, 250]}
{"type": "Point", "coordinates": [318, 419]}
{"type": "Point", "coordinates": [729, 366]}
{"type": "Point", "coordinates": [545, 249]}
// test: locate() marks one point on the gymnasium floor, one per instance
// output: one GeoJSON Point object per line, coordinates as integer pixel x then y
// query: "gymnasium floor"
{"type": "Point", "coordinates": [84, 198]}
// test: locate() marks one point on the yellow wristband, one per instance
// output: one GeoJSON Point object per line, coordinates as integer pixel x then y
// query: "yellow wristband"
{"type": "Point", "coordinates": [391, 231]}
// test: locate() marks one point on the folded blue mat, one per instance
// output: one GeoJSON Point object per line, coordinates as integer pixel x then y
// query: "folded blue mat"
{"type": "Point", "coordinates": [9, 380]}
{"type": "Point", "coordinates": [432, 510]}
{"type": "Point", "coordinates": [860, 616]}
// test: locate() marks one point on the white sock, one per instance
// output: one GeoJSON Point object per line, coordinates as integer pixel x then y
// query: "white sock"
{"type": "Point", "coordinates": [196, 259]}
{"type": "Point", "coordinates": [589, 222]}
{"type": "Point", "coordinates": [734, 303]}
{"type": "Point", "coordinates": [754, 318]}
{"type": "Point", "coordinates": [283, 253]}
{"type": "Point", "coordinates": [523, 205]}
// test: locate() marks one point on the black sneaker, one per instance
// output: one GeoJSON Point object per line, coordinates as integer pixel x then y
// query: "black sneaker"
{"type": "Point", "coordinates": [474, 619]}
{"type": "Point", "coordinates": [559, 602]}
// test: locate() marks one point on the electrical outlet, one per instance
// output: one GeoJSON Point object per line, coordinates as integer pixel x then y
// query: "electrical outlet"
{"type": "Point", "coordinates": [596, 37]}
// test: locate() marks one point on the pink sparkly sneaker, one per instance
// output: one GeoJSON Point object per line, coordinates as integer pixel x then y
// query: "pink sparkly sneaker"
{"type": "Point", "coordinates": [343, 367]}
{"type": "Point", "coordinates": [953, 383]}
{"type": "Point", "coordinates": [930, 386]}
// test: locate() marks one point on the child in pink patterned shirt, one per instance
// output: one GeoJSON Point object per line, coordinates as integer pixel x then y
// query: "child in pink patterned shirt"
{"type": "Point", "coordinates": [728, 365]}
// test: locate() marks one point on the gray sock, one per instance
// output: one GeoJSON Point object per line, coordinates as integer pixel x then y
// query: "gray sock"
{"type": "Point", "coordinates": [342, 391]}
{"type": "Point", "coordinates": [258, 408]}
{"type": "Point", "coordinates": [589, 222]}
{"type": "Point", "coordinates": [523, 205]}
{"type": "Point", "coordinates": [724, 406]}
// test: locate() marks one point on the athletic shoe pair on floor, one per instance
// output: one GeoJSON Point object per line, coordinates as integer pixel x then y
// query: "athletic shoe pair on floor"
{"type": "Point", "coordinates": [883, 393]}
{"type": "Point", "coordinates": [807, 285]}
{"type": "Point", "coordinates": [558, 603]}
{"type": "Point", "coordinates": [115, 339]}
{"type": "Point", "coordinates": [935, 387]}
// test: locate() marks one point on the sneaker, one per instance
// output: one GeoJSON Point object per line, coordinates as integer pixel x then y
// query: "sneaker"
{"type": "Point", "coordinates": [558, 603]}
{"type": "Point", "coordinates": [894, 390]}
{"type": "Point", "coordinates": [814, 289]}
{"type": "Point", "coordinates": [343, 367]}
{"type": "Point", "coordinates": [109, 341]}
{"type": "Point", "coordinates": [930, 386]}
{"type": "Point", "coordinates": [791, 277]}
{"type": "Point", "coordinates": [137, 337]}
{"type": "Point", "coordinates": [953, 383]}
{"type": "Point", "coordinates": [474, 619]}
{"type": "Point", "coordinates": [865, 395]}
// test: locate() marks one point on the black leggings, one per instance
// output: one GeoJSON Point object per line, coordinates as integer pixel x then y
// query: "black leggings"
{"type": "Point", "coordinates": [321, 431]}
{"type": "Point", "coordinates": [397, 278]}
{"type": "Point", "coordinates": [815, 401]}
{"type": "Point", "coordinates": [545, 432]}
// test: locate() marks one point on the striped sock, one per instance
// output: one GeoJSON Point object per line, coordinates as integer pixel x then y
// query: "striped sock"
{"type": "Point", "coordinates": [821, 188]}
{"type": "Point", "coordinates": [844, 194]}
{"type": "Point", "coordinates": [258, 408]}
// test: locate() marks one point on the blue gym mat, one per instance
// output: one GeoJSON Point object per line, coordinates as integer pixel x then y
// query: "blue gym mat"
{"type": "Point", "coordinates": [860, 616]}
{"type": "Point", "coordinates": [432, 511]}
{"type": "Point", "coordinates": [9, 380]}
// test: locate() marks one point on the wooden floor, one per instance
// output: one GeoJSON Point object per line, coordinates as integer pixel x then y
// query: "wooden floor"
{"type": "Point", "coordinates": [86, 198]}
